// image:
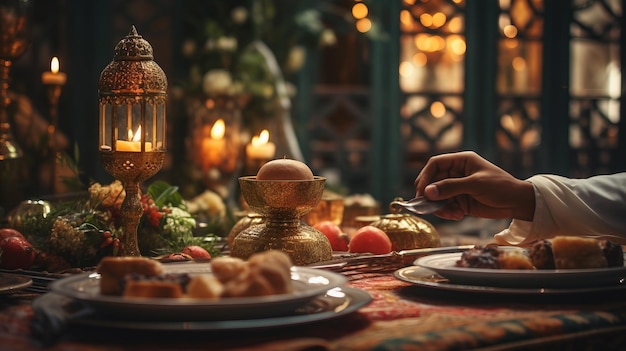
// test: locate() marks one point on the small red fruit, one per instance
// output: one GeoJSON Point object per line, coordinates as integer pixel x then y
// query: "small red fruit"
{"type": "Point", "coordinates": [196, 251]}
{"type": "Point", "coordinates": [9, 232]}
{"type": "Point", "coordinates": [178, 256]}
{"type": "Point", "coordinates": [338, 239]}
{"type": "Point", "coordinates": [16, 253]}
{"type": "Point", "coordinates": [370, 239]}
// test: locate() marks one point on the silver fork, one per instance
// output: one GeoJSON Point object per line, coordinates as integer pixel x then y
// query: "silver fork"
{"type": "Point", "coordinates": [418, 205]}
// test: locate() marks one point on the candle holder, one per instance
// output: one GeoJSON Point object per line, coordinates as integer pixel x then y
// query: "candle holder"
{"type": "Point", "coordinates": [282, 204]}
{"type": "Point", "coordinates": [216, 143]}
{"type": "Point", "coordinates": [15, 23]}
{"type": "Point", "coordinates": [53, 88]}
{"type": "Point", "coordinates": [132, 90]}
{"type": "Point", "coordinates": [14, 39]}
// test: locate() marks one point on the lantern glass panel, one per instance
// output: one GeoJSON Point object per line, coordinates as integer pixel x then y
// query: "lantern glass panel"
{"type": "Point", "coordinates": [159, 126]}
{"type": "Point", "coordinates": [106, 138]}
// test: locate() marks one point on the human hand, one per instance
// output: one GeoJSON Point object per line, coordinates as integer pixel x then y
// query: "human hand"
{"type": "Point", "coordinates": [474, 186]}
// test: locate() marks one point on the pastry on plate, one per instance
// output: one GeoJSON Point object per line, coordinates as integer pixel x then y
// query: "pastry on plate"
{"type": "Point", "coordinates": [113, 270]}
{"type": "Point", "coordinates": [570, 252]}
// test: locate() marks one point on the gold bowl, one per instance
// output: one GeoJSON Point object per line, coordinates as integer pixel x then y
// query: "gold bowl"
{"type": "Point", "coordinates": [282, 203]}
{"type": "Point", "coordinates": [282, 197]}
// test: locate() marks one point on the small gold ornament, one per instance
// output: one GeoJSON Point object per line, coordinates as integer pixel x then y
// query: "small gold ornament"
{"type": "Point", "coordinates": [242, 224]}
{"type": "Point", "coordinates": [407, 231]}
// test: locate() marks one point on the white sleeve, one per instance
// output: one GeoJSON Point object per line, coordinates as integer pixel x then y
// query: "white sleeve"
{"type": "Point", "coordinates": [592, 207]}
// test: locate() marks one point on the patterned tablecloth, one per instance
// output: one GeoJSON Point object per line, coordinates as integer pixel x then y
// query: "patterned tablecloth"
{"type": "Point", "coordinates": [400, 317]}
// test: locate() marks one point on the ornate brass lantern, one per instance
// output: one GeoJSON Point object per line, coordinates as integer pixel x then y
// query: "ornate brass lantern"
{"type": "Point", "coordinates": [132, 96]}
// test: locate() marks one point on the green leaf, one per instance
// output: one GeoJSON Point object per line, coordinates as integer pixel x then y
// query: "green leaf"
{"type": "Point", "coordinates": [164, 194]}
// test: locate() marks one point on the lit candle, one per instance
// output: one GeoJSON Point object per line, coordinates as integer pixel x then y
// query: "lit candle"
{"type": "Point", "coordinates": [213, 146]}
{"type": "Point", "coordinates": [260, 147]}
{"type": "Point", "coordinates": [54, 77]}
{"type": "Point", "coordinates": [134, 145]}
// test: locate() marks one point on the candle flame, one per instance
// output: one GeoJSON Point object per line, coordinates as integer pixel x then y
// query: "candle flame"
{"type": "Point", "coordinates": [262, 139]}
{"type": "Point", "coordinates": [217, 132]}
{"type": "Point", "coordinates": [54, 65]}
{"type": "Point", "coordinates": [137, 136]}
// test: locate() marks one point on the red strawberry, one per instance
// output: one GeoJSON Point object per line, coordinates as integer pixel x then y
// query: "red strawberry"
{"type": "Point", "coordinates": [16, 253]}
{"type": "Point", "coordinates": [196, 251]}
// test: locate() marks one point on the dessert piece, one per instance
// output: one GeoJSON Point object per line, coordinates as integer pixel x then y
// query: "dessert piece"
{"type": "Point", "coordinates": [152, 288]}
{"type": "Point", "coordinates": [569, 252]}
{"type": "Point", "coordinates": [204, 286]}
{"type": "Point", "coordinates": [613, 253]}
{"type": "Point", "coordinates": [284, 169]}
{"type": "Point", "coordinates": [541, 255]}
{"type": "Point", "coordinates": [275, 266]}
{"type": "Point", "coordinates": [480, 257]}
{"type": "Point", "coordinates": [561, 252]}
{"type": "Point", "coordinates": [265, 273]}
{"type": "Point", "coordinates": [514, 259]}
{"type": "Point", "coordinates": [576, 253]}
{"type": "Point", "coordinates": [172, 285]}
{"type": "Point", "coordinates": [269, 273]}
{"type": "Point", "coordinates": [226, 268]}
{"type": "Point", "coordinates": [493, 257]}
{"type": "Point", "coordinates": [250, 284]}
{"type": "Point", "coordinates": [274, 258]}
{"type": "Point", "coordinates": [113, 270]}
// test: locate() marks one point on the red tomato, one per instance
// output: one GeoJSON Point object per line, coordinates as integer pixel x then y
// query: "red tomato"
{"type": "Point", "coordinates": [370, 239]}
{"type": "Point", "coordinates": [196, 251]}
{"type": "Point", "coordinates": [16, 253]}
{"type": "Point", "coordinates": [338, 239]}
{"type": "Point", "coordinates": [8, 232]}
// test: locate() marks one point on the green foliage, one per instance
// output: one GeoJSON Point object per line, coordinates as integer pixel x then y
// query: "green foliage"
{"type": "Point", "coordinates": [164, 194]}
{"type": "Point", "coordinates": [82, 230]}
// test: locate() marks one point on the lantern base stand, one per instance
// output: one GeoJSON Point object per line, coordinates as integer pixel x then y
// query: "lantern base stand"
{"type": "Point", "coordinates": [131, 215]}
{"type": "Point", "coordinates": [131, 168]}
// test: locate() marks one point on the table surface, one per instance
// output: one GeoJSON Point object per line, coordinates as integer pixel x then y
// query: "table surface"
{"type": "Point", "coordinates": [401, 316]}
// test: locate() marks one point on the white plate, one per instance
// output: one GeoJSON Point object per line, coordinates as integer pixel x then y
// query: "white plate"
{"type": "Point", "coordinates": [425, 278]}
{"type": "Point", "coordinates": [308, 283]}
{"type": "Point", "coordinates": [335, 303]}
{"type": "Point", "coordinates": [12, 282]}
{"type": "Point", "coordinates": [445, 266]}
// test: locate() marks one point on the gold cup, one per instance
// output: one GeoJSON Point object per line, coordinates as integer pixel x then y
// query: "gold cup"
{"type": "Point", "coordinates": [330, 208]}
{"type": "Point", "coordinates": [283, 203]}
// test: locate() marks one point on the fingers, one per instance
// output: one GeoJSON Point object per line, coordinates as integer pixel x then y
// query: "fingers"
{"type": "Point", "coordinates": [443, 166]}
{"type": "Point", "coordinates": [448, 188]}
{"type": "Point", "coordinates": [462, 206]}
{"type": "Point", "coordinates": [431, 191]}
{"type": "Point", "coordinates": [472, 185]}
{"type": "Point", "coordinates": [450, 211]}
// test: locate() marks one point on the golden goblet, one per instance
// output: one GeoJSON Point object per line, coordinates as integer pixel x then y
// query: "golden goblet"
{"type": "Point", "coordinates": [283, 203]}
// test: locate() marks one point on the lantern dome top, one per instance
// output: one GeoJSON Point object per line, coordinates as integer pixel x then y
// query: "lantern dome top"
{"type": "Point", "coordinates": [133, 47]}
{"type": "Point", "coordinates": [133, 69]}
